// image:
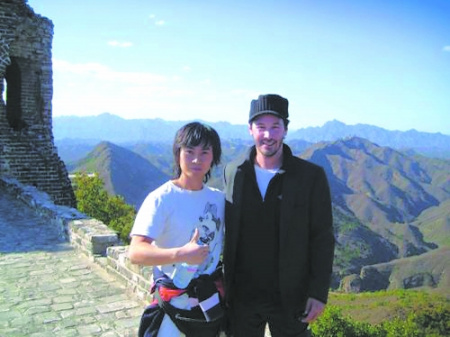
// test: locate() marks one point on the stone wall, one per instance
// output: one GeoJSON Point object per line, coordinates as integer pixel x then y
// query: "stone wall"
{"type": "Point", "coordinates": [27, 150]}
{"type": "Point", "coordinates": [89, 236]}
{"type": "Point", "coordinates": [30, 167]}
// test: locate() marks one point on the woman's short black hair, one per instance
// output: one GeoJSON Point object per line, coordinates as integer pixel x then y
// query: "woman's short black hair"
{"type": "Point", "coordinates": [194, 134]}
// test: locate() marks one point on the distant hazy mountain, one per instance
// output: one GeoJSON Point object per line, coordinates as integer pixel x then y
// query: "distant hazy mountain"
{"type": "Point", "coordinates": [430, 144]}
{"type": "Point", "coordinates": [107, 127]}
{"type": "Point", "coordinates": [124, 172]}
{"type": "Point", "coordinates": [72, 150]}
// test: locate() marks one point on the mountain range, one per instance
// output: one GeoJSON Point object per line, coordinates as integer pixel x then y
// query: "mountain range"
{"type": "Point", "coordinates": [122, 171]}
{"type": "Point", "coordinates": [108, 127]}
{"type": "Point", "coordinates": [391, 207]}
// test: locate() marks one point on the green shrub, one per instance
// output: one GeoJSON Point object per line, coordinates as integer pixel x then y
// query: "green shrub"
{"type": "Point", "coordinates": [94, 201]}
{"type": "Point", "coordinates": [333, 324]}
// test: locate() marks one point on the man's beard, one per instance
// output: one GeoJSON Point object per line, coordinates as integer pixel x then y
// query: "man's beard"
{"type": "Point", "coordinates": [271, 151]}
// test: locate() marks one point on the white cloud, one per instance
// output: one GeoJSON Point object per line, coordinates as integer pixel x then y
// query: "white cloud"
{"type": "Point", "coordinates": [87, 89]}
{"type": "Point", "coordinates": [102, 72]}
{"type": "Point", "coordinates": [446, 48]}
{"type": "Point", "coordinates": [93, 88]}
{"type": "Point", "coordinates": [67, 67]}
{"type": "Point", "coordinates": [120, 44]}
{"type": "Point", "coordinates": [159, 22]}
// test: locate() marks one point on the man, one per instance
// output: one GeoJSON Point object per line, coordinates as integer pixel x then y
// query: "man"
{"type": "Point", "coordinates": [279, 241]}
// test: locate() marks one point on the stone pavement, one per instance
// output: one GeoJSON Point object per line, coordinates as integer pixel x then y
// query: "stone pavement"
{"type": "Point", "coordinates": [48, 289]}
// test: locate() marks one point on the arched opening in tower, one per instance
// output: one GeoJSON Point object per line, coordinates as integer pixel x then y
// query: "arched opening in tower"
{"type": "Point", "coordinates": [13, 96]}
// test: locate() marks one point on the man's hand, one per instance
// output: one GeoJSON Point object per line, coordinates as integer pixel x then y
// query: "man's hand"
{"type": "Point", "coordinates": [314, 309]}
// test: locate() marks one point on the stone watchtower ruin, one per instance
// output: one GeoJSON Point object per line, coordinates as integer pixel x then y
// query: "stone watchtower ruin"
{"type": "Point", "coordinates": [27, 150]}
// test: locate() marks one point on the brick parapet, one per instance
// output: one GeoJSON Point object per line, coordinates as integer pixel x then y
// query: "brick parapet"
{"type": "Point", "coordinates": [89, 236]}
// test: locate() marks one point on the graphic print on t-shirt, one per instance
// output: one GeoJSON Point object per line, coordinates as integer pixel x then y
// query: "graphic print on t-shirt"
{"type": "Point", "coordinates": [208, 226]}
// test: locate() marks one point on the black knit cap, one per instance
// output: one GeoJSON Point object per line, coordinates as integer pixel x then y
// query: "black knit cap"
{"type": "Point", "coordinates": [269, 104]}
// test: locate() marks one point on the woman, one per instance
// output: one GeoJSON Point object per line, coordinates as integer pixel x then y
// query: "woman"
{"type": "Point", "coordinates": [179, 229]}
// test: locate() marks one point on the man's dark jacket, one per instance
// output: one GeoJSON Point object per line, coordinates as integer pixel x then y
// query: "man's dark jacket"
{"type": "Point", "coordinates": [305, 229]}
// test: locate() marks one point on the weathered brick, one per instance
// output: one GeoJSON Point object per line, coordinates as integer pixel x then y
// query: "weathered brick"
{"type": "Point", "coordinates": [26, 140]}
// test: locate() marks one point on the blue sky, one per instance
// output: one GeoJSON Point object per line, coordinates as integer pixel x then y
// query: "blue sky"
{"type": "Point", "coordinates": [379, 62]}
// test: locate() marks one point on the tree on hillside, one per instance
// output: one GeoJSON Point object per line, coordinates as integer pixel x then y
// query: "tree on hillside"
{"type": "Point", "coordinates": [94, 201]}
